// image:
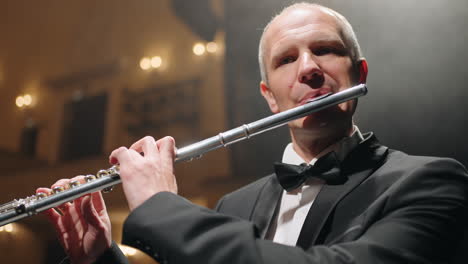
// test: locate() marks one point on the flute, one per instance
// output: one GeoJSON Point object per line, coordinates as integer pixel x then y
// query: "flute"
{"type": "Point", "coordinates": [105, 179]}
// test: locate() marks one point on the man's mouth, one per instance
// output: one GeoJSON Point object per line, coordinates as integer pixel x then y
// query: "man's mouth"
{"type": "Point", "coordinates": [310, 96]}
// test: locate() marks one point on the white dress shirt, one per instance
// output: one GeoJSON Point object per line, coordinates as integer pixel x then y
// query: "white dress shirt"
{"type": "Point", "coordinates": [294, 205]}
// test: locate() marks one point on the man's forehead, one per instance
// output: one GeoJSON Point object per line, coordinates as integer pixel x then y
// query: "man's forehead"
{"type": "Point", "coordinates": [311, 13]}
{"type": "Point", "coordinates": [299, 19]}
{"type": "Point", "coordinates": [301, 15]}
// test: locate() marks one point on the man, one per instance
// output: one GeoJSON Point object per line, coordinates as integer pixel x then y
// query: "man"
{"type": "Point", "coordinates": [367, 204]}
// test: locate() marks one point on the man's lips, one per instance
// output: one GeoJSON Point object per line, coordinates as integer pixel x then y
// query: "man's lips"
{"type": "Point", "coordinates": [313, 94]}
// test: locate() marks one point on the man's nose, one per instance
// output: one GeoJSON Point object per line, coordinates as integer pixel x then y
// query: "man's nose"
{"type": "Point", "coordinates": [310, 72]}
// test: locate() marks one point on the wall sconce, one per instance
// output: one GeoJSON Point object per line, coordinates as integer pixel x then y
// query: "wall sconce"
{"type": "Point", "coordinates": [24, 101]}
{"type": "Point", "coordinates": [147, 63]}
{"type": "Point", "coordinates": [211, 47]}
{"type": "Point", "coordinates": [156, 62]}
{"type": "Point", "coordinates": [198, 49]}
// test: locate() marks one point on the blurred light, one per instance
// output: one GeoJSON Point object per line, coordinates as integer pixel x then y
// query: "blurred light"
{"type": "Point", "coordinates": [27, 99]}
{"type": "Point", "coordinates": [211, 47]}
{"type": "Point", "coordinates": [156, 62]}
{"type": "Point", "coordinates": [199, 49]}
{"type": "Point", "coordinates": [128, 251]}
{"type": "Point", "coordinates": [145, 63]}
{"type": "Point", "coordinates": [9, 228]}
{"type": "Point", "coordinates": [202, 201]}
{"type": "Point", "coordinates": [20, 101]}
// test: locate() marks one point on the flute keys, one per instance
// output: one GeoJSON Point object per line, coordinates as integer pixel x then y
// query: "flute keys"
{"type": "Point", "coordinates": [58, 189]}
{"type": "Point", "coordinates": [90, 178]}
{"type": "Point", "coordinates": [108, 189]}
{"type": "Point", "coordinates": [74, 184]}
{"type": "Point", "coordinates": [114, 169]}
{"type": "Point", "coordinates": [41, 195]}
{"type": "Point", "coordinates": [102, 173]}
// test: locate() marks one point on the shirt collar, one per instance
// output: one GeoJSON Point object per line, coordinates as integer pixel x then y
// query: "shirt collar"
{"type": "Point", "coordinates": [341, 148]}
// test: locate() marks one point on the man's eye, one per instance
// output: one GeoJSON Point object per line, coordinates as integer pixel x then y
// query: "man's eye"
{"type": "Point", "coordinates": [329, 50]}
{"type": "Point", "coordinates": [323, 51]}
{"type": "Point", "coordinates": [285, 60]}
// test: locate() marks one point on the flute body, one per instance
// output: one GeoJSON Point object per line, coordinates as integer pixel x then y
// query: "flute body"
{"type": "Point", "coordinates": [105, 179]}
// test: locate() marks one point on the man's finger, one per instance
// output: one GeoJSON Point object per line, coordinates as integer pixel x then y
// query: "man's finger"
{"type": "Point", "coordinates": [73, 224]}
{"type": "Point", "coordinates": [56, 220]}
{"type": "Point", "coordinates": [147, 145]}
{"type": "Point", "coordinates": [61, 182]}
{"type": "Point", "coordinates": [119, 155]}
{"type": "Point", "coordinates": [78, 209]}
{"type": "Point", "coordinates": [166, 147]}
{"type": "Point", "coordinates": [98, 201]}
{"type": "Point", "coordinates": [90, 214]}
{"type": "Point", "coordinates": [60, 186]}
{"type": "Point", "coordinates": [52, 217]}
{"type": "Point", "coordinates": [44, 190]}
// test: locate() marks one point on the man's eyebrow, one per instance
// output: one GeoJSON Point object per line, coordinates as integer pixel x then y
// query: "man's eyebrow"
{"type": "Point", "coordinates": [285, 49]}
{"type": "Point", "coordinates": [328, 40]}
{"type": "Point", "coordinates": [280, 52]}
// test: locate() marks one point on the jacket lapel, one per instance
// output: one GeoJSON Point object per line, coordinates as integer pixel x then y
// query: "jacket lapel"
{"type": "Point", "coordinates": [265, 207]}
{"type": "Point", "coordinates": [359, 164]}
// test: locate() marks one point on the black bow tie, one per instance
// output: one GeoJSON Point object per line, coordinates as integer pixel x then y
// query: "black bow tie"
{"type": "Point", "coordinates": [326, 168]}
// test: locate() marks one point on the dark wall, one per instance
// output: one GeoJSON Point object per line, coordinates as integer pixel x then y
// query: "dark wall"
{"type": "Point", "coordinates": [417, 57]}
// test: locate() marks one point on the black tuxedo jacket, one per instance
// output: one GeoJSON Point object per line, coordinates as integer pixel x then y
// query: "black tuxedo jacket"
{"type": "Point", "coordinates": [394, 208]}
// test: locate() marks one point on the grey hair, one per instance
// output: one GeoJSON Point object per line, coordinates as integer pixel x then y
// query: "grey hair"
{"type": "Point", "coordinates": [346, 30]}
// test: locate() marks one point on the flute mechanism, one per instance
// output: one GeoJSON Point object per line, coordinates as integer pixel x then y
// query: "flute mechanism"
{"type": "Point", "coordinates": [106, 179]}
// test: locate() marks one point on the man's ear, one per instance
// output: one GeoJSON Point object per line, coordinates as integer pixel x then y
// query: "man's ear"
{"type": "Point", "coordinates": [363, 70]}
{"type": "Point", "coordinates": [269, 97]}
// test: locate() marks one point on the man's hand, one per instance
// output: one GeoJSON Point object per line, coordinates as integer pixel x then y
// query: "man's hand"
{"type": "Point", "coordinates": [146, 168]}
{"type": "Point", "coordinates": [83, 226]}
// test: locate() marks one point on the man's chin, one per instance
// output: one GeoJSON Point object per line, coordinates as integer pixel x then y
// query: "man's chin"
{"type": "Point", "coordinates": [325, 119]}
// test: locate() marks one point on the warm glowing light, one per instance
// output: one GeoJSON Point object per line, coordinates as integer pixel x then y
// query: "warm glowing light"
{"type": "Point", "coordinates": [145, 63]}
{"type": "Point", "coordinates": [9, 228]}
{"type": "Point", "coordinates": [199, 49]}
{"type": "Point", "coordinates": [211, 47]}
{"type": "Point", "coordinates": [199, 201]}
{"type": "Point", "coordinates": [20, 101]}
{"type": "Point", "coordinates": [2, 228]}
{"type": "Point", "coordinates": [156, 62]}
{"type": "Point", "coordinates": [128, 251]}
{"type": "Point", "coordinates": [27, 99]}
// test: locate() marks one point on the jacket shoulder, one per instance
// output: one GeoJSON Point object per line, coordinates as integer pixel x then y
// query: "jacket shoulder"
{"type": "Point", "coordinates": [403, 172]}
{"type": "Point", "coordinates": [399, 160]}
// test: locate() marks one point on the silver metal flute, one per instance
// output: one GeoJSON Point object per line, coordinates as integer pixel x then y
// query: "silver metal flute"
{"type": "Point", "coordinates": [106, 179]}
